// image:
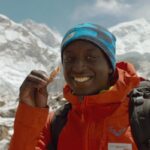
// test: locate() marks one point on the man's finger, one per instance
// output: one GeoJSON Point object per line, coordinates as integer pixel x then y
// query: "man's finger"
{"type": "Point", "coordinates": [40, 74]}
{"type": "Point", "coordinates": [53, 74]}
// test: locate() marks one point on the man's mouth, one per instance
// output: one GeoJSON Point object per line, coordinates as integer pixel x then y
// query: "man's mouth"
{"type": "Point", "coordinates": [81, 79]}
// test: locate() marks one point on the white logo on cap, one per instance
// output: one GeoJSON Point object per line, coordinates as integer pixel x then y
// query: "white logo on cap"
{"type": "Point", "coordinates": [69, 36]}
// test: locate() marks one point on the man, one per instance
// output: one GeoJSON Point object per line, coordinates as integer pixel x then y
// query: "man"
{"type": "Point", "coordinates": [97, 89]}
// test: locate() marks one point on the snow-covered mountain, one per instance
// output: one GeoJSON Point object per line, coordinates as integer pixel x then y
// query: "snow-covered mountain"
{"type": "Point", "coordinates": [48, 36]}
{"type": "Point", "coordinates": [22, 51]}
{"type": "Point", "coordinates": [133, 44]}
{"type": "Point", "coordinates": [133, 36]}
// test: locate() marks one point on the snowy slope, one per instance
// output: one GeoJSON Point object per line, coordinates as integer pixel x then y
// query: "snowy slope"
{"type": "Point", "coordinates": [133, 44]}
{"type": "Point", "coordinates": [48, 36]}
{"type": "Point", "coordinates": [20, 52]}
{"type": "Point", "coordinates": [133, 36]}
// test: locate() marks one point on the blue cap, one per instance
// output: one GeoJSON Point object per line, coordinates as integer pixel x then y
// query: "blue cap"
{"type": "Point", "coordinates": [95, 34]}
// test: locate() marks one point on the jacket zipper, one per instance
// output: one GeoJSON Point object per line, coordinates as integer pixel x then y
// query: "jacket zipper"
{"type": "Point", "coordinates": [89, 123]}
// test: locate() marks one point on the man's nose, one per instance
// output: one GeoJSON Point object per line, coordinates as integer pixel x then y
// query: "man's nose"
{"type": "Point", "coordinates": [79, 66]}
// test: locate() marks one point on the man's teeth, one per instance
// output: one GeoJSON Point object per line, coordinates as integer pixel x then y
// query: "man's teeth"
{"type": "Point", "coordinates": [81, 79]}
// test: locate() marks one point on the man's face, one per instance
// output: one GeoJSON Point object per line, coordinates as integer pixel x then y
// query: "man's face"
{"type": "Point", "coordinates": [86, 69]}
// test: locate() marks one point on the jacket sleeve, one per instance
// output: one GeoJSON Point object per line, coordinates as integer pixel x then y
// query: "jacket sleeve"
{"type": "Point", "coordinates": [31, 128]}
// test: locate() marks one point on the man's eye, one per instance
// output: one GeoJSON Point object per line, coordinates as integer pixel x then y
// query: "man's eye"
{"type": "Point", "coordinates": [67, 59]}
{"type": "Point", "coordinates": [91, 58]}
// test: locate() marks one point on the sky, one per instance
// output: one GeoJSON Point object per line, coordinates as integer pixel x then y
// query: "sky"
{"type": "Point", "coordinates": [63, 14]}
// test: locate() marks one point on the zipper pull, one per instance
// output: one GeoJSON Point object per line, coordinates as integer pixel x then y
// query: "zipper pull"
{"type": "Point", "coordinates": [83, 106]}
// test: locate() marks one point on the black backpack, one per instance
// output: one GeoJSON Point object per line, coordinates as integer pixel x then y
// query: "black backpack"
{"type": "Point", "coordinates": [139, 116]}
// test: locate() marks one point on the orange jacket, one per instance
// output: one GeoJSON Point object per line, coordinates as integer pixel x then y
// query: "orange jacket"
{"type": "Point", "coordinates": [99, 122]}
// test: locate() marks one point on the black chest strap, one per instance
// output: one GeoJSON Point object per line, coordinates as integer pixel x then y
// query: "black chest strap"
{"type": "Point", "coordinates": [58, 122]}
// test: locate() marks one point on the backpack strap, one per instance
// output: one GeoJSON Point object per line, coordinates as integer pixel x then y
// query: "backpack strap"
{"type": "Point", "coordinates": [58, 122]}
{"type": "Point", "coordinates": [139, 115]}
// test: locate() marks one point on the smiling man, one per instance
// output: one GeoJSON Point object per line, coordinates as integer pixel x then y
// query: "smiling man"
{"type": "Point", "coordinates": [83, 71]}
{"type": "Point", "coordinates": [97, 89]}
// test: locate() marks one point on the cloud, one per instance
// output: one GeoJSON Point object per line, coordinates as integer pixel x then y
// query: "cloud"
{"type": "Point", "coordinates": [111, 6]}
{"type": "Point", "coordinates": [101, 7]}
{"type": "Point", "coordinates": [112, 11]}
{"type": "Point", "coordinates": [141, 9]}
